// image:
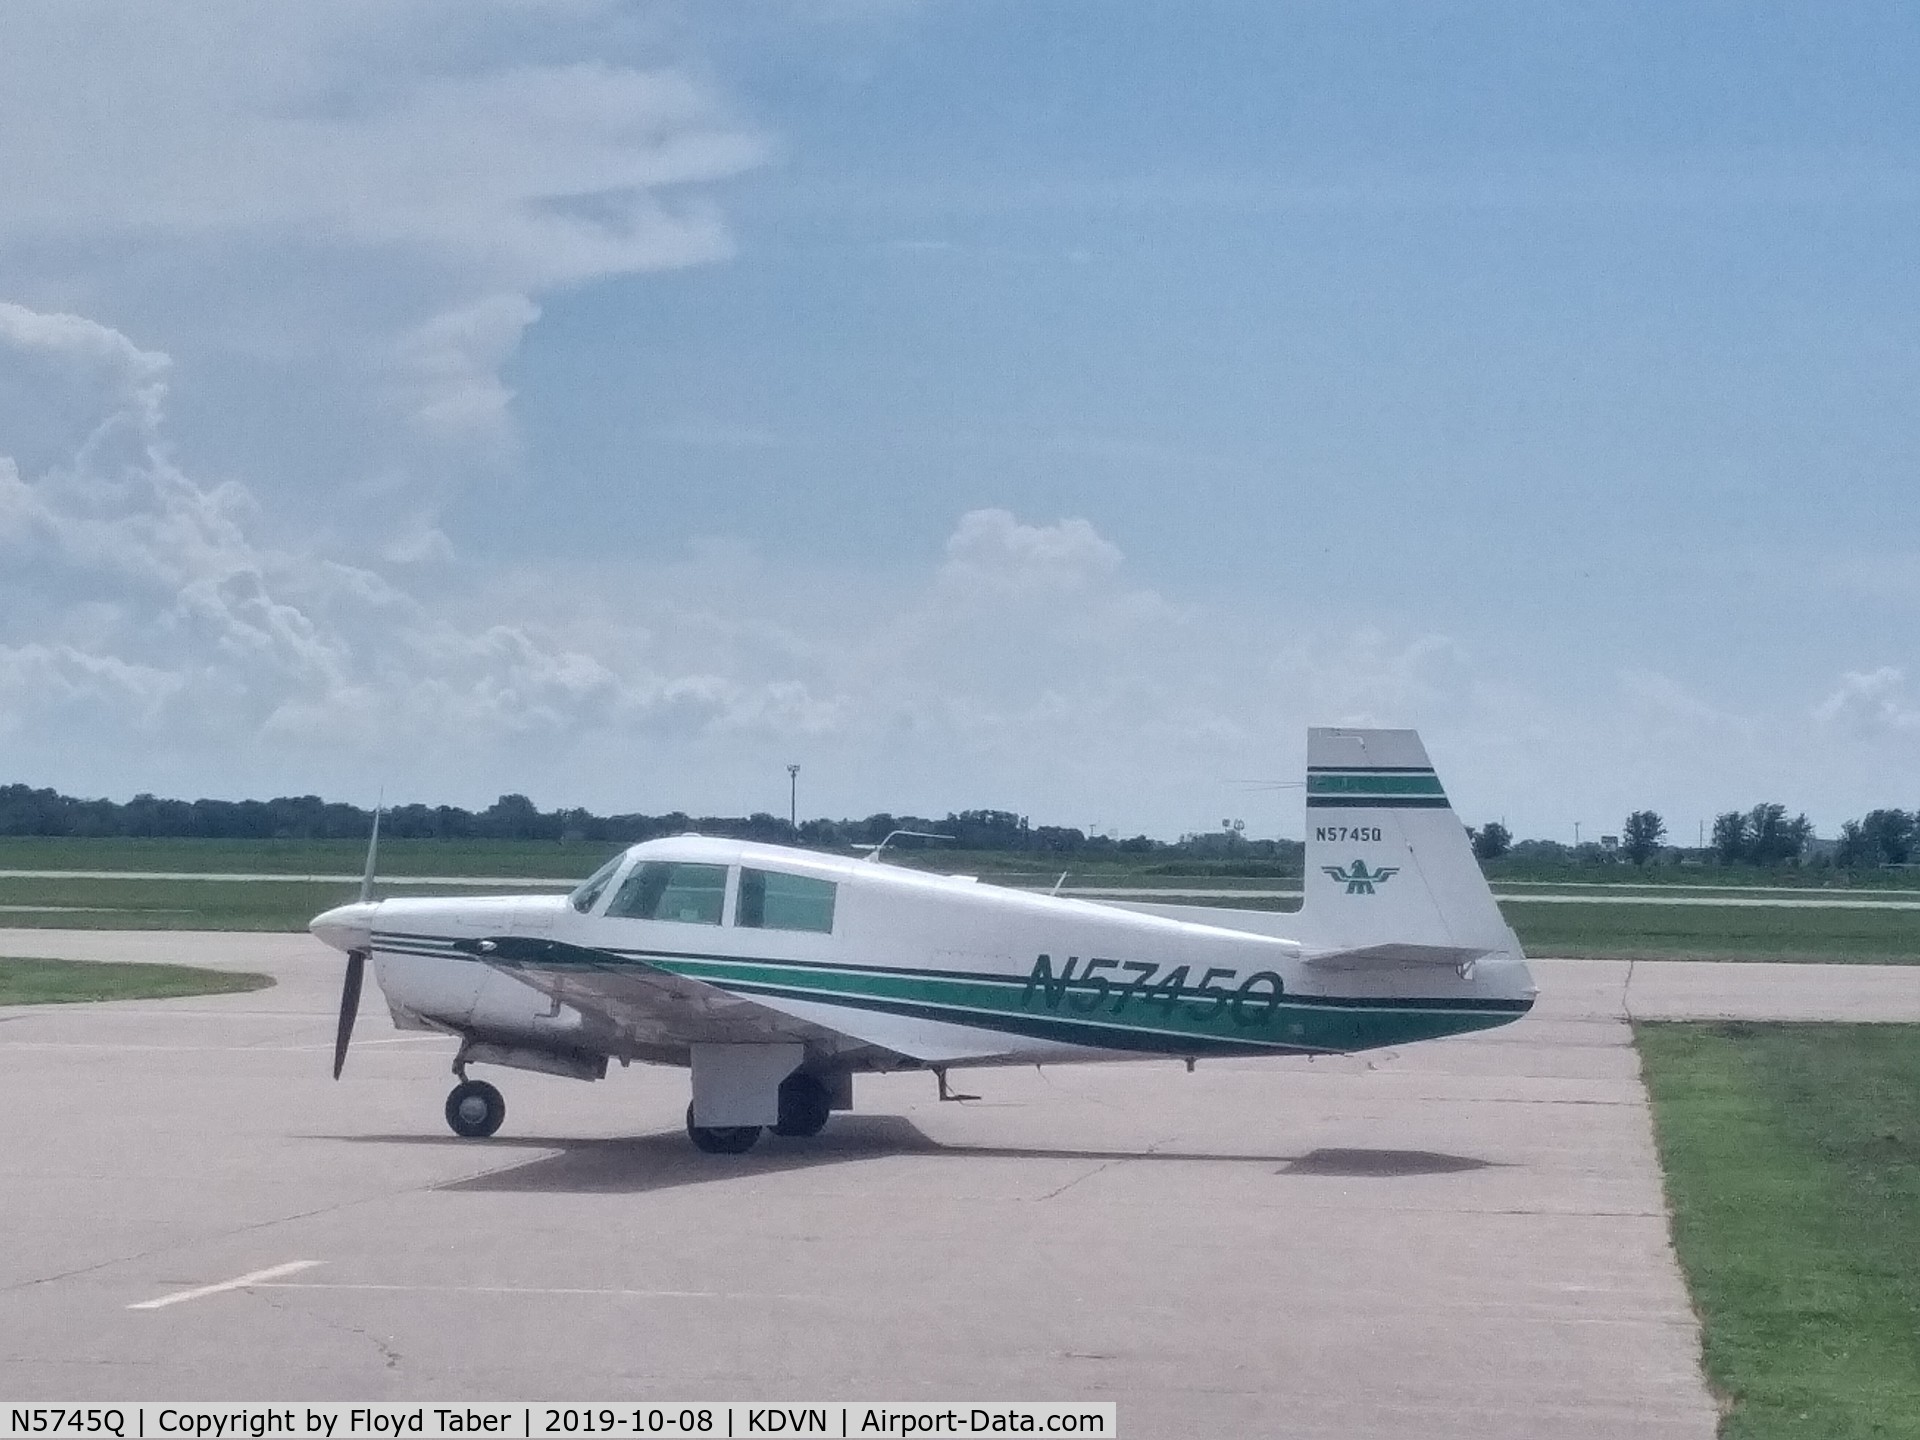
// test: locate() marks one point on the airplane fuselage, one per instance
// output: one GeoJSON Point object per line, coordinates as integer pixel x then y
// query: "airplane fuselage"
{"type": "Point", "coordinates": [932, 968]}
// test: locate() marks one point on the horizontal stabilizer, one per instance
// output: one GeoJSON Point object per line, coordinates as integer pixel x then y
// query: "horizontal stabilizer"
{"type": "Point", "coordinates": [1395, 957]}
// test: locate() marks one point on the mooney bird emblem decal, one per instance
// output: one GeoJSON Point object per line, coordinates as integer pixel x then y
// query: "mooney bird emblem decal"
{"type": "Point", "coordinates": [1358, 879]}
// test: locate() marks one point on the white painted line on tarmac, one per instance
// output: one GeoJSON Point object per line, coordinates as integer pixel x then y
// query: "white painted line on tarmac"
{"type": "Point", "coordinates": [239, 1282]}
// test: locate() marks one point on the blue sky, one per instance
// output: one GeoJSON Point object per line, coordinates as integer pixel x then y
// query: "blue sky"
{"type": "Point", "coordinates": [1050, 406]}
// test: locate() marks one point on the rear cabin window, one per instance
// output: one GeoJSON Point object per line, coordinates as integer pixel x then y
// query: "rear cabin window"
{"type": "Point", "coordinates": [583, 898]}
{"type": "Point", "coordinates": [668, 890]}
{"type": "Point", "coordinates": [772, 901]}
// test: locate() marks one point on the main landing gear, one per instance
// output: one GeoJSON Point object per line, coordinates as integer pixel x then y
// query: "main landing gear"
{"type": "Point", "coordinates": [805, 1105]}
{"type": "Point", "coordinates": [721, 1139]}
{"type": "Point", "coordinates": [475, 1109]}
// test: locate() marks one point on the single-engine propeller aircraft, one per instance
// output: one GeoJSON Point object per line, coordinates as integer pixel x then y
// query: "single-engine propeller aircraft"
{"type": "Point", "coordinates": [777, 974]}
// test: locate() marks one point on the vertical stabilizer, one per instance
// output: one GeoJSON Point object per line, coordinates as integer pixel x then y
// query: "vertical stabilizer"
{"type": "Point", "coordinates": [1387, 860]}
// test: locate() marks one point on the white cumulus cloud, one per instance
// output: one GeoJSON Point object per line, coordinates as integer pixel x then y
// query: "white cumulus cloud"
{"type": "Point", "coordinates": [1872, 704]}
{"type": "Point", "coordinates": [994, 549]}
{"type": "Point", "coordinates": [358, 124]}
{"type": "Point", "coordinates": [381, 191]}
{"type": "Point", "coordinates": [126, 584]}
{"type": "Point", "coordinates": [448, 370]}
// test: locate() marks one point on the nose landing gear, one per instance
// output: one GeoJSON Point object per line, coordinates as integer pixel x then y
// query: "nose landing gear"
{"type": "Point", "coordinates": [475, 1109]}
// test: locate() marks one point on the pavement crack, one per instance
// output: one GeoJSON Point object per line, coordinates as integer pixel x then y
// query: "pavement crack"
{"type": "Point", "coordinates": [1101, 1169]}
{"type": "Point", "coordinates": [1059, 1190]}
{"type": "Point", "coordinates": [184, 1243]}
{"type": "Point", "coordinates": [389, 1356]}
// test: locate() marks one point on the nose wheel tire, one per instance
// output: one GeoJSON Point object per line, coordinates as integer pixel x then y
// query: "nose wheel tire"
{"type": "Point", "coordinates": [804, 1106]}
{"type": "Point", "coordinates": [475, 1109]}
{"type": "Point", "coordinates": [721, 1139]}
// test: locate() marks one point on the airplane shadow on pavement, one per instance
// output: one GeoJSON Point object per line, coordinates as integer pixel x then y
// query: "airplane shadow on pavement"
{"type": "Point", "coordinates": [665, 1161]}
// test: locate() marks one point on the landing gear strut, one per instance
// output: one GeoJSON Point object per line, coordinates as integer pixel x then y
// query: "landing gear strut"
{"type": "Point", "coordinates": [721, 1139]}
{"type": "Point", "coordinates": [475, 1109]}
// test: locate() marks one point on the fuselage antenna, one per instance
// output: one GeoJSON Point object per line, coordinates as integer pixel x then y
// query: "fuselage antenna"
{"type": "Point", "coordinates": [873, 851]}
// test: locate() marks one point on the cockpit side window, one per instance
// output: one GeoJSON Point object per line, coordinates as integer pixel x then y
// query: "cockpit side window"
{"type": "Point", "coordinates": [589, 890]}
{"type": "Point", "coordinates": [670, 890]}
{"type": "Point", "coordinates": [770, 900]}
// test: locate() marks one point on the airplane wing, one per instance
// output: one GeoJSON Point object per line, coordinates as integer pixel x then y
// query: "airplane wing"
{"type": "Point", "coordinates": [660, 1013]}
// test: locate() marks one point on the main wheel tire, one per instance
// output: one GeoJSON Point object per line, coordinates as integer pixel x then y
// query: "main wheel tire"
{"type": "Point", "coordinates": [721, 1139]}
{"type": "Point", "coordinates": [475, 1109]}
{"type": "Point", "coordinates": [804, 1106]}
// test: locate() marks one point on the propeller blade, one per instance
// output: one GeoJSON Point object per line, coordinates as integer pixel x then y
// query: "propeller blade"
{"type": "Point", "coordinates": [373, 850]}
{"type": "Point", "coordinates": [349, 1007]}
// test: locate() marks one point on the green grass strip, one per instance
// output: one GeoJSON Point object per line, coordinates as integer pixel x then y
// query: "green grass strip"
{"type": "Point", "coordinates": [1792, 1156]}
{"type": "Point", "coordinates": [308, 857]}
{"type": "Point", "coordinates": [1596, 930]}
{"type": "Point", "coordinates": [1712, 932]}
{"type": "Point", "coordinates": [53, 982]}
{"type": "Point", "coordinates": [93, 904]}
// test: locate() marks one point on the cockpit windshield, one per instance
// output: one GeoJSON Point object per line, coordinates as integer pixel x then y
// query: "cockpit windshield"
{"type": "Point", "coordinates": [588, 892]}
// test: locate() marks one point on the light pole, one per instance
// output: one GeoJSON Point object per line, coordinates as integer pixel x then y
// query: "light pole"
{"type": "Point", "coordinates": [793, 797]}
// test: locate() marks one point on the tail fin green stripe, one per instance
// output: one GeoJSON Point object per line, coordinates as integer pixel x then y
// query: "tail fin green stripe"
{"type": "Point", "coordinates": [1378, 802]}
{"type": "Point", "coordinates": [1360, 783]}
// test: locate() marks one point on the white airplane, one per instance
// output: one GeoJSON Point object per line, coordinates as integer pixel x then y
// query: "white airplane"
{"type": "Point", "coordinates": [776, 974]}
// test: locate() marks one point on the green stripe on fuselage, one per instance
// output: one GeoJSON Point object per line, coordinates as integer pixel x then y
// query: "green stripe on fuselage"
{"type": "Point", "coordinates": [1102, 1014]}
{"type": "Point", "coordinates": [1107, 1017]}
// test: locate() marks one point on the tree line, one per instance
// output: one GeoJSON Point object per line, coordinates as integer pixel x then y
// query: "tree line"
{"type": "Point", "coordinates": [1764, 835]}
{"type": "Point", "coordinates": [29, 812]}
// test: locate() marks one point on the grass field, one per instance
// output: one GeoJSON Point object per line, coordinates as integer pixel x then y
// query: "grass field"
{"type": "Point", "coordinates": [50, 982]}
{"type": "Point", "coordinates": [1695, 932]}
{"type": "Point", "coordinates": [1595, 930]}
{"type": "Point", "coordinates": [1792, 877]}
{"type": "Point", "coordinates": [572, 860]}
{"type": "Point", "coordinates": [1792, 1157]}
{"type": "Point", "coordinates": [1600, 931]}
{"type": "Point", "coordinates": [176, 904]}
{"type": "Point", "coordinates": [560, 861]}
{"type": "Point", "coordinates": [307, 857]}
